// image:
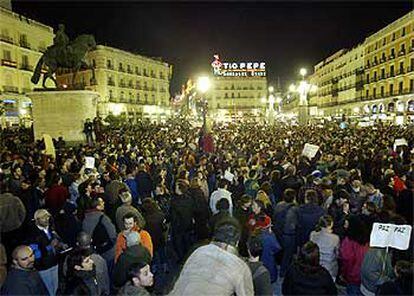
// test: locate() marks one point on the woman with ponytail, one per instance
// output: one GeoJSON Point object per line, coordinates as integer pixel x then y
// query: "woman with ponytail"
{"type": "Point", "coordinates": [328, 244]}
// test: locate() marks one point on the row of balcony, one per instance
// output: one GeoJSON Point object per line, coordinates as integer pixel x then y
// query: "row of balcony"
{"type": "Point", "coordinates": [130, 86]}
{"type": "Point", "coordinates": [384, 59]}
{"type": "Point", "coordinates": [13, 64]}
{"type": "Point", "coordinates": [129, 71]}
{"type": "Point", "coordinates": [389, 75]}
{"type": "Point", "coordinates": [133, 101]}
{"type": "Point", "coordinates": [21, 43]}
{"type": "Point", "coordinates": [15, 89]}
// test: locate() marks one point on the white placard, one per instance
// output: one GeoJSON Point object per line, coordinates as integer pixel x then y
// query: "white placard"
{"type": "Point", "coordinates": [310, 150]}
{"type": "Point", "coordinates": [400, 142]}
{"type": "Point", "coordinates": [89, 162]}
{"type": "Point", "coordinates": [390, 235]}
{"type": "Point", "coordinates": [228, 176]}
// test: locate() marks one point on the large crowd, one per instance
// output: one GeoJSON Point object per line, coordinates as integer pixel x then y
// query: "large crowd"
{"type": "Point", "coordinates": [237, 209]}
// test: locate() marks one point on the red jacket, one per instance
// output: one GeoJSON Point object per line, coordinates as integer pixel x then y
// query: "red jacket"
{"type": "Point", "coordinates": [351, 255]}
{"type": "Point", "coordinates": [55, 197]}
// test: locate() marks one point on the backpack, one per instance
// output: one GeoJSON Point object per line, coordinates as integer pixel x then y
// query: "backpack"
{"type": "Point", "coordinates": [100, 238]}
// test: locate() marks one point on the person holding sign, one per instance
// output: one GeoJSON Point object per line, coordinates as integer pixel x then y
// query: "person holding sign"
{"type": "Point", "coordinates": [403, 283]}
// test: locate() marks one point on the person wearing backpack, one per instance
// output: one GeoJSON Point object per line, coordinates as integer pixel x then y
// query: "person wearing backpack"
{"type": "Point", "coordinates": [285, 224]}
{"type": "Point", "coordinates": [102, 230]}
{"type": "Point", "coordinates": [260, 274]}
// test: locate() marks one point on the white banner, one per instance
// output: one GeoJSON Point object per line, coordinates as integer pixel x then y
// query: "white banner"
{"type": "Point", "coordinates": [400, 142]}
{"type": "Point", "coordinates": [390, 235]}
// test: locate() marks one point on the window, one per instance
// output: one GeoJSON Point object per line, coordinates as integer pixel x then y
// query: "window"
{"type": "Point", "coordinates": [367, 93]}
{"type": "Point", "coordinates": [400, 87]}
{"type": "Point", "coordinates": [129, 69]}
{"type": "Point", "coordinates": [382, 73]}
{"type": "Point", "coordinates": [382, 91]}
{"type": "Point", "coordinates": [392, 70]}
{"type": "Point", "coordinates": [367, 78]}
{"type": "Point", "coordinates": [402, 48]}
{"type": "Point", "coordinates": [393, 36]}
{"type": "Point", "coordinates": [111, 96]}
{"type": "Point", "coordinates": [392, 52]}
{"type": "Point", "coordinates": [121, 67]}
{"type": "Point", "coordinates": [403, 32]}
{"type": "Point", "coordinates": [25, 60]}
{"type": "Point", "coordinates": [109, 64]}
{"type": "Point", "coordinates": [122, 95]}
{"type": "Point", "coordinates": [384, 41]}
{"type": "Point", "coordinates": [374, 92]}
{"type": "Point", "coordinates": [93, 63]}
{"type": "Point", "coordinates": [401, 67]}
{"type": "Point", "coordinates": [7, 55]}
{"type": "Point", "coordinates": [411, 64]}
{"type": "Point", "coordinates": [383, 56]}
{"type": "Point", "coordinates": [375, 76]}
{"type": "Point", "coordinates": [411, 85]}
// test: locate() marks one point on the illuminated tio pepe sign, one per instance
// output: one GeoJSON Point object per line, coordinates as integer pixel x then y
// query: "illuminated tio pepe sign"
{"type": "Point", "coordinates": [239, 69]}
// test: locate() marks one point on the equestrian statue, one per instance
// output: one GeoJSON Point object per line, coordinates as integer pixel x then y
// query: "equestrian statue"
{"type": "Point", "coordinates": [64, 54]}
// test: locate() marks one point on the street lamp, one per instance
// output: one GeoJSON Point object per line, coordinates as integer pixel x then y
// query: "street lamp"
{"type": "Point", "coordinates": [271, 89]}
{"type": "Point", "coordinates": [302, 72]}
{"type": "Point", "coordinates": [303, 89]}
{"type": "Point", "coordinates": [203, 85]}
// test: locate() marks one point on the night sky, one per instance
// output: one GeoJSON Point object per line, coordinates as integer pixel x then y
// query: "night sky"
{"type": "Point", "coordinates": [285, 35]}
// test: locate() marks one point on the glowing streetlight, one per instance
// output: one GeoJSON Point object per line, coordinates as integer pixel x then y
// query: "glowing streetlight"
{"type": "Point", "coordinates": [271, 89]}
{"type": "Point", "coordinates": [203, 84]}
{"type": "Point", "coordinates": [263, 100]}
{"type": "Point", "coordinates": [303, 72]}
{"type": "Point", "coordinates": [292, 88]}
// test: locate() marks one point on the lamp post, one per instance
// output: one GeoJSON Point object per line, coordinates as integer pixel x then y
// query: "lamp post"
{"type": "Point", "coordinates": [303, 89]}
{"type": "Point", "coordinates": [203, 85]}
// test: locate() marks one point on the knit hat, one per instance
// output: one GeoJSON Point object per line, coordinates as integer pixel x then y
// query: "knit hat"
{"type": "Point", "coordinates": [132, 238]}
{"type": "Point", "coordinates": [263, 222]}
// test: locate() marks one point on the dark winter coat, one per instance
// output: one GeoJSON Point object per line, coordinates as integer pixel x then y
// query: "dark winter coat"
{"type": "Point", "coordinates": [306, 280]}
{"type": "Point", "coordinates": [23, 282]}
{"type": "Point", "coordinates": [308, 218]}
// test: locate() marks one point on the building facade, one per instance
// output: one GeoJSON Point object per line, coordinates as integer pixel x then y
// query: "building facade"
{"type": "Point", "coordinates": [127, 83]}
{"type": "Point", "coordinates": [373, 79]}
{"type": "Point", "coordinates": [22, 42]}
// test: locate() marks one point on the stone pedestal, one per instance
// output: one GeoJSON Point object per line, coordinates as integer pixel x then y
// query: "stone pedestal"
{"type": "Point", "coordinates": [62, 113]}
{"type": "Point", "coordinates": [303, 115]}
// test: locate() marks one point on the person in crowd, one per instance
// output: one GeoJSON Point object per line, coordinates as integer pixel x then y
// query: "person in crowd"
{"type": "Point", "coordinates": [144, 182]}
{"type": "Point", "coordinates": [84, 241]}
{"type": "Point", "coordinates": [220, 193]}
{"type": "Point", "coordinates": [67, 224]}
{"type": "Point", "coordinates": [23, 278]}
{"type": "Point", "coordinates": [242, 213]}
{"type": "Point", "coordinates": [81, 274]}
{"type": "Point", "coordinates": [127, 207]}
{"type": "Point", "coordinates": [139, 278]}
{"type": "Point", "coordinates": [135, 252]}
{"type": "Point", "coordinates": [285, 228]}
{"type": "Point", "coordinates": [403, 282]}
{"type": "Point", "coordinates": [271, 248]}
{"type": "Point", "coordinates": [46, 245]}
{"type": "Point", "coordinates": [351, 254]}
{"type": "Point", "coordinates": [267, 203]}
{"type": "Point", "coordinates": [258, 217]}
{"type": "Point", "coordinates": [306, 276]}
{"type": "Point", "coordinates": [131, 225]}
{"type": "Point", "coordinates": [157, 227]}
{"type": "Point", "coordinates": [201, 208]}
{"type": "Point", "coordinates": [260, 274]}
{"type": "Point", "coordinates": [223, 212]}
{"type": "Point", "coordinates": [182, 222]}
{"type": "Point", "coordinates": [56, 195]}
{"type": "Point", "coordinates": [328, 244]}
{"type": "Point", "coordinates": [221, 256]}
{"type": "Point", "coordinates": [376, 269]}
{"type": "Point", "coordinates": [309, 214]}
{"type": "Point", "coordinates": [100, 227]}
{"type": "Point", "coordinates": [3, 265]}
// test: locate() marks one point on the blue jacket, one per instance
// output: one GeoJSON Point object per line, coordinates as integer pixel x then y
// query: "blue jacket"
{"type": "Point", "coordinates": [133, 187]}
{"type": "Point", "coordinates": [270, 249]}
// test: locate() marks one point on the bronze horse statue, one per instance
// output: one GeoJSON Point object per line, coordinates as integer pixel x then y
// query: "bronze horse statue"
{"type": "Point", "coordinates": [71, 56]}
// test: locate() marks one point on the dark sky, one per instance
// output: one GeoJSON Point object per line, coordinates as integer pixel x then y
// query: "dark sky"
{"type": "Point", "coordinates": [286, 35]}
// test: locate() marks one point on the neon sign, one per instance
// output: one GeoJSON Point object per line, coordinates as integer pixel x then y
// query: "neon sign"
{"type": "Point", "coordinates": [238, 69]}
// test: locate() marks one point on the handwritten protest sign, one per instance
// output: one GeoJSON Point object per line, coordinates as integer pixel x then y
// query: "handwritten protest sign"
{"type": "Point", "coordinates": [228, 176]}
{"type": "Point", "coordinates": [385, 235]}
{"type": "Point", "coordinates": [310, 150]}
{"type": "Point", "coordinates": [400, 142]}
{"type": "Point", "coordinates": [89, 162]}
{"type": "Point", "coordinates": [49, 146]}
